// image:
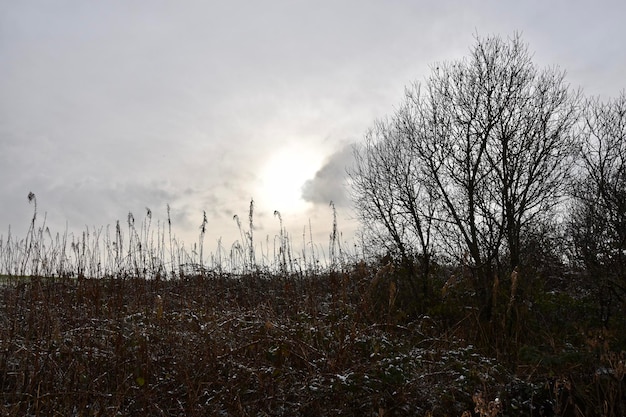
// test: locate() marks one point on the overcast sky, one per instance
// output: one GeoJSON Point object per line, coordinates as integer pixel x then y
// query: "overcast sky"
{"type": "Point", "coordinates": [110, 107]}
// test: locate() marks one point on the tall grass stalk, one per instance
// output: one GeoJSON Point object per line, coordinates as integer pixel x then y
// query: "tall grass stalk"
{"type": "Point", "coordinates": [29, 234]}
{"type": "Point", "coordinates": [334, 249]}
{"type": "Point", "coordinates": [250, 233]}
{"type": "Point", "coordinates": [205, 221]}
{"type": "Point", "coordinates": [169, 231]}
{"type": "Point", "coordinates": [281, 244]}
{"type": "Point", "coordinates": [142, 251]}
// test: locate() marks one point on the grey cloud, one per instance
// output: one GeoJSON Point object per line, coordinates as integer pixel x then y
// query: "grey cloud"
{"type": "Point", "coordinates": [114, 107]}
{"type": "Point", "coordinates": [87, 202]}
{"type": "Point", "coordinates": [329, 183]}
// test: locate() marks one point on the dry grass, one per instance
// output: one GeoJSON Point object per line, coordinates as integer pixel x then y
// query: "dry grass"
{"type": "Point", "coordinates": [119, 323]}
{"type": "Point", "coordinates": [268, 345]}
{"type": "Point", "coordinates": [212, 345]}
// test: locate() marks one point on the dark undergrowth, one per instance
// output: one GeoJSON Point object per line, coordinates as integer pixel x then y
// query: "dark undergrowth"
{"type": "Point", "coordinates": [319, 345]}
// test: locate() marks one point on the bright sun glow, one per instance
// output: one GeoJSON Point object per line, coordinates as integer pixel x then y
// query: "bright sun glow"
{"type": "Point", "coordinates": [283, 176]}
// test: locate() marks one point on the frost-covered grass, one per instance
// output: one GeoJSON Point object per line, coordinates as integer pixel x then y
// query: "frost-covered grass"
{"type": "Point", "coordinates": [221, 346]}
{"type": "Point", "coordinates": [281, 345]}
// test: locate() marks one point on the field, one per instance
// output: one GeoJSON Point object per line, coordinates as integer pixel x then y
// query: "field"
{"type": "Point", "coordinates": [287, 345]}
{"type": "Point", "coordinates": [128, 323]}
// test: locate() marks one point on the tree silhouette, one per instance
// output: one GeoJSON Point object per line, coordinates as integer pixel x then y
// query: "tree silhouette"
{"type": "Point", "coordinates": [479, 152]}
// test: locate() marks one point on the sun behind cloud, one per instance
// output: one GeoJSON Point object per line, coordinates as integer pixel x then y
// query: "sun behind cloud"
{"type": "Point", "coordinates": [283, 176]}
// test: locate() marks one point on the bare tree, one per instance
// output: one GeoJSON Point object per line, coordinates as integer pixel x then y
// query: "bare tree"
{"type": "Point", "coordinates": [395, 205]}
{"type": "Point", "coordinates": [598, 217]}
{"type": "Point", "coordinates": [492, 138]}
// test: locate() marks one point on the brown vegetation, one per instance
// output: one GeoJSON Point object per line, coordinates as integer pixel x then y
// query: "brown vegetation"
{"type": "Point", "coordinates": [259, 344]}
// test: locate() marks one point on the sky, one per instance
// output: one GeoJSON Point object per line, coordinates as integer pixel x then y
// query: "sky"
{"type": "Point", "coordinates": [122, 106]}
